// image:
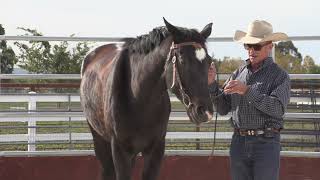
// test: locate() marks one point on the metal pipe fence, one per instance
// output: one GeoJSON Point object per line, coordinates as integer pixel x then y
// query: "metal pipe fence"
{"type": "Point", "coordinates": [120, 39]}
{"type": "Point", "coordinates": [48, 126]}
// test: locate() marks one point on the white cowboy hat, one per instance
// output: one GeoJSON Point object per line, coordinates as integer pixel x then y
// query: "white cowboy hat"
{"type": "Point", "coordinates": [258, 32]}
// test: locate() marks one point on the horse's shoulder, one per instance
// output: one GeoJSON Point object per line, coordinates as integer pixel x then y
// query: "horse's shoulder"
{"type": "Point", "coordinates": [101, 55]}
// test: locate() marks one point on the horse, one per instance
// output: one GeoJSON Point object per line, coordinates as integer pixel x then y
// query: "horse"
{"type": "Point", "coordinates": [125, 99]}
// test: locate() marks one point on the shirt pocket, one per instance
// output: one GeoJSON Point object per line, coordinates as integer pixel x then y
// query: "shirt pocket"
{"type": "Point", "coordinates": [262, 87]}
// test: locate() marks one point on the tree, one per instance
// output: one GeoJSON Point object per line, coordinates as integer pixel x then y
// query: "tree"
{"type": "Point", "coordinates": [228, 65]}
{"type": "Point", "coordinates": [287, 47]}
{"type": "Point", "coordinates": [309, 65]}
{"type": "Point", "coordinates": [7, 56]}
{"type": "Point", "coordinates": [42, 57]}
{"type": "Point", "coordinates": [288, 57]}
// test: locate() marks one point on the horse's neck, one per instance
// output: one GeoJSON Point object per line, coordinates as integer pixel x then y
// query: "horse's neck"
{"type": "Point", "coordinates": [147, 78]}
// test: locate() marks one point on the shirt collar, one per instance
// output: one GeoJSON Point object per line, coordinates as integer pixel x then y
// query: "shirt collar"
{"type": "Point", "coordinates": [268, 61]}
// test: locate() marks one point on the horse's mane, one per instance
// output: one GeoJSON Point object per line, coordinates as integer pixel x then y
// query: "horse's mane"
{"type": "Point", "coordinates": [145, 43]}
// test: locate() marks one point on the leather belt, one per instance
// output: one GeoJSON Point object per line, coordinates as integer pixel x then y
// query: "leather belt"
{"type": "Point", "coordinates": [255, 132]}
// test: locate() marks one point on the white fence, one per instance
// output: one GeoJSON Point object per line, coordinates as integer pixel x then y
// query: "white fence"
{"type": "Point", "coordinates": [32, 116]}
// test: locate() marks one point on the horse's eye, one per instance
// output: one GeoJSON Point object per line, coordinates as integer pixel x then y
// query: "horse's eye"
{"type": "Point", "coordinates": [210, 59]}
{"type": "Point", "coordinates": [181, 58]}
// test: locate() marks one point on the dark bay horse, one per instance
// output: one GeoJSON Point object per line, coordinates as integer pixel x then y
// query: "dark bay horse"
{"type": "Point", "coordinates": [125, 99]}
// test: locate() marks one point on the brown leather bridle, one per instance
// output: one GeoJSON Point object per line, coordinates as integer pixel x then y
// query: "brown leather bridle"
{"type": "Point", "coordinates": [172, 57]}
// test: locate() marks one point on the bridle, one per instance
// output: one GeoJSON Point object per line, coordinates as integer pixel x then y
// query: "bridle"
{"type": "Point", "coordinates": [172, 57]}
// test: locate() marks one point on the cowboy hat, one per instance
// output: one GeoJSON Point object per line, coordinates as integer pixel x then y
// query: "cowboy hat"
{"type": "Point", "coordinates": [258, 32]}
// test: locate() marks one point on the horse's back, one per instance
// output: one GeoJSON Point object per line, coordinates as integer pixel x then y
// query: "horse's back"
{"type": "Point", "coordinates": [95, 70]}
{"type": "Point", "coordinates": [99, 58]}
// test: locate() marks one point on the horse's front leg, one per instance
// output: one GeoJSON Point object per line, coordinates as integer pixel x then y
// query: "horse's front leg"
{"type": "Point", "coordinates": [122, 161]}
{"type": "Point", "coordinates": [152, 160]}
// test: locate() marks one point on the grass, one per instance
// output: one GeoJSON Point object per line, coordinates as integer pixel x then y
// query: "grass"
{"type": "Point", "coordinates": [62, 127]}
{"type": "Point", "coordinates": [13, 127]}
{"type": "Point", "coordinates": [13, 106]}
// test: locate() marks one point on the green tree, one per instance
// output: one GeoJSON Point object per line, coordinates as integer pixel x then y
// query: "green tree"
{"type": "Point", "coordinates": [288, 57]}
{"type": "Point", "coordinates": [7, 56]}
{"type": "Point", "coordinates": [309, 65]}
{"type": "Point", "coordinates": [287, 47]}
{"type": "Point", "coordinates": [228, 65]}
{"type": "Point", "coordinates": [42, 57]}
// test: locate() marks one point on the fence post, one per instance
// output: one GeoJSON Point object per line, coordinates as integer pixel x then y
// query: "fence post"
{"type": "Point", "coordinates": [32, 107]}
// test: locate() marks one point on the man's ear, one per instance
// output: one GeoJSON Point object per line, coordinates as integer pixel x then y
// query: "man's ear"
{"type": "Point", "coordinates": [271, 45]}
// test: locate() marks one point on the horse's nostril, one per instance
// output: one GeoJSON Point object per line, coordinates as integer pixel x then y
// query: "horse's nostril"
{"type": "Point", "coordinates": [200, 110]}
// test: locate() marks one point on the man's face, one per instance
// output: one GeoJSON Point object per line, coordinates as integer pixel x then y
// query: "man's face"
{"type": "Point", "coordinates": [258, 52]}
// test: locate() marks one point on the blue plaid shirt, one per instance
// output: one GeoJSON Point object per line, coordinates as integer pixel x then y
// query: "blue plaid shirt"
{"type": "Point", "coordinates": [265, 102]}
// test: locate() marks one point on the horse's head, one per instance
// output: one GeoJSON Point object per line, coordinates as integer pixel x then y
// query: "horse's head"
{"type": "Point", "coordinates": [188, 77]}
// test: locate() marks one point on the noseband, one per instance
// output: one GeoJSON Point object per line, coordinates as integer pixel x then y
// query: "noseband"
{"type": "Point", "coordinates": [172, 57]}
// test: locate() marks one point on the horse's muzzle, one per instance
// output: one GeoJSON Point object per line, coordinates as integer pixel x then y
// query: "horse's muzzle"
{"type": "Point", "coordinates": [199, 114]}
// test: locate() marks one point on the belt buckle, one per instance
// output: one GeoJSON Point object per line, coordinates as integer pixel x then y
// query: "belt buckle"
{"type": "Point", "coordinates": [247, 132]}
{"type": "Point", "coordinates": [251, 132]}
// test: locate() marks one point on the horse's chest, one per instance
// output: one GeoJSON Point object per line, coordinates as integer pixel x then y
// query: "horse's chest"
{"type": "Point", "coordinates": [138, 138]}
{"type": "Point", "coordinates": [139, 127]}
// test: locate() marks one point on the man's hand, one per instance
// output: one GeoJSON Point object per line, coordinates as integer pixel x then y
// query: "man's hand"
{"type": "Point", "coordinates": [236, 86]}
{"type": "Point", "coordinates": [212, 74]}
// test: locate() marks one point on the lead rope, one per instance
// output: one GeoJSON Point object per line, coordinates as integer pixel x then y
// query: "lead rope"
{"type": "Point", "coordinates": [215, 122]}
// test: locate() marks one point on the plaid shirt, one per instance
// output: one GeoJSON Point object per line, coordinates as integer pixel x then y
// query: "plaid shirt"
{"type": "Point", "coordinates": [265, 102]}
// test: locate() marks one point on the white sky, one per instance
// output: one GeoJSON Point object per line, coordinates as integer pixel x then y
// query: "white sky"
{"type": "Point", "coordinates": [119, 18]}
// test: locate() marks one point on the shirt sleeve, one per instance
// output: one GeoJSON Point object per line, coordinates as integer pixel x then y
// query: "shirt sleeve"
{"type": "Point", "coordinates": [221, 102]}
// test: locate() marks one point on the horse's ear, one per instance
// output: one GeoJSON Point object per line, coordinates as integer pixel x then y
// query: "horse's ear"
{"type": "Point", "coordinates": [171, 28]}
{"type": "Point", "coordinates": [206, 31]}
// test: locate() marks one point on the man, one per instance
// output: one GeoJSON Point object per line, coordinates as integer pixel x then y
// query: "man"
{"type": "Point", "coordinates": [256, 96]}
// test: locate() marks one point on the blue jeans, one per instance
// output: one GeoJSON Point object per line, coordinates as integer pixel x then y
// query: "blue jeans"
{"type": "Point", "coordinates": [255, 157]}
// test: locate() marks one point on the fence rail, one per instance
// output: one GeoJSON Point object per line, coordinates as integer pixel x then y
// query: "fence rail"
{"type": "Point", "coordinates": [120, 39]}
{"type": "Point", "coordinates": [77, 76]}
{"type": "Point", "coordinates": [69, 137]}
{"type": "Point", "coordinates": [167, 153]}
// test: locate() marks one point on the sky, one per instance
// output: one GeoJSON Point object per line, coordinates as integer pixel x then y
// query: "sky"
{"type": "Point", "coordinates": [131, 18]}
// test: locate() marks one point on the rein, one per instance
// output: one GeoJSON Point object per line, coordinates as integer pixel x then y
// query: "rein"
{"type": "Point", "coordinates": [215, 123]}
{"type": "Point", "coordinates": [172, 56]}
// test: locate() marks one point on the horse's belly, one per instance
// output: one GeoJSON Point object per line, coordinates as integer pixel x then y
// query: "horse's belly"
{"type": "Point", "coordinates": [92, 103]}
